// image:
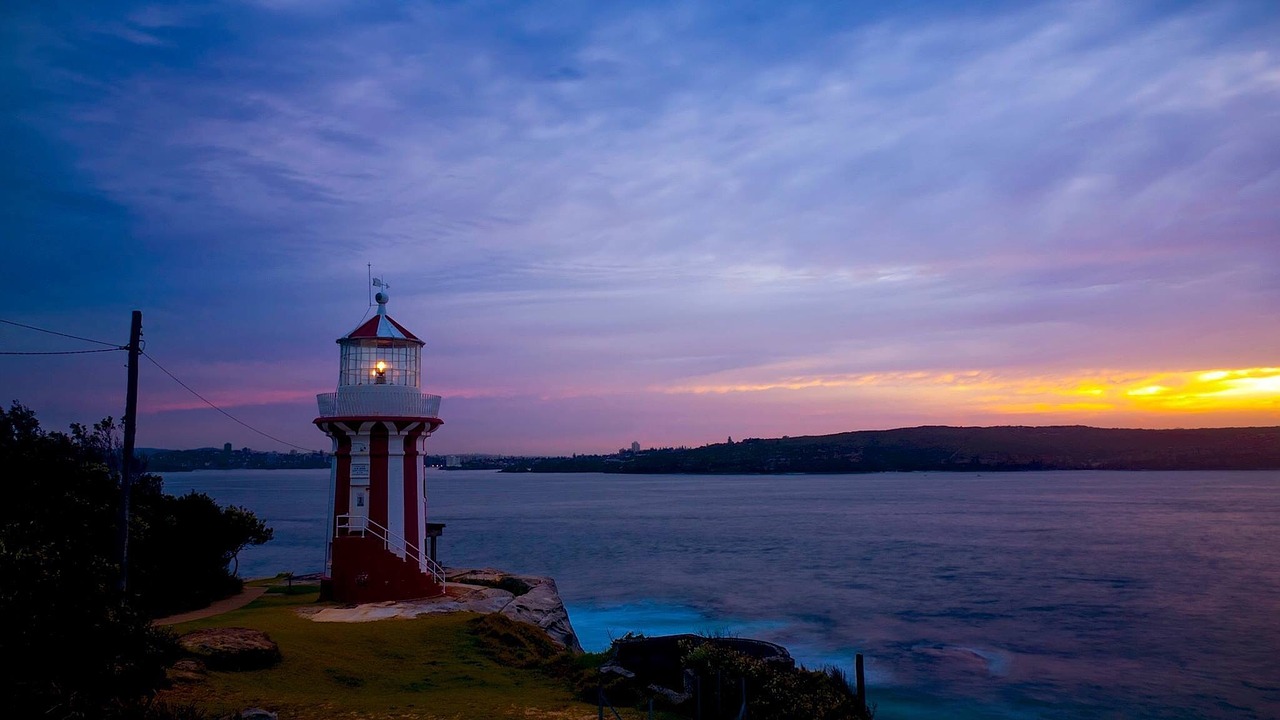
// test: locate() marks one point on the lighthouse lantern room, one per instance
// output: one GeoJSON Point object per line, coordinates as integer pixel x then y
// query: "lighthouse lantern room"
{"type": "Point", "coordinates": [380, 545]}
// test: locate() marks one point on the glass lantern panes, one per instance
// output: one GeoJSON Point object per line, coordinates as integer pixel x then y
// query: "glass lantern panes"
{"type": "Point", "coordinates": [380, 362]}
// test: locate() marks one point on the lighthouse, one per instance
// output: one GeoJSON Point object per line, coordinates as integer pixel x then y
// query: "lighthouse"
{"type": "Point", "coordinates": [380, 545]}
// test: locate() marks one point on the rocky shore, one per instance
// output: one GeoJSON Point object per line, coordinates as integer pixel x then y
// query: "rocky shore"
{"type": "Point", "coordinates": [530, 599]}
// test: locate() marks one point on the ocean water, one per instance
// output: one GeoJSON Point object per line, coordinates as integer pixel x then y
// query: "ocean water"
{"type": "Point", "coordinates": [1023, 595]}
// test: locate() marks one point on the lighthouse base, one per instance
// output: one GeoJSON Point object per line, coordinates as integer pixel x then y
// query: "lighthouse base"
{"type": "Point", "coordinates": [364, 571]}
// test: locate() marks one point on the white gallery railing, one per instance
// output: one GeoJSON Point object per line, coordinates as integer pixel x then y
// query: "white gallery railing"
{"type": "Point", "coordinates": [378, 401]}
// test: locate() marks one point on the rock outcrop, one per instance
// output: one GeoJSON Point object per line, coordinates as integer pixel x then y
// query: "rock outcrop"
{"type": "Point", "coordinates": [186, 670]}
{"type": "Point", "coordinates": [231, 648]}
{"type": "Point", "coordinates": [528, 599]}
{"type": "Point", "coordinates": [543, 607]}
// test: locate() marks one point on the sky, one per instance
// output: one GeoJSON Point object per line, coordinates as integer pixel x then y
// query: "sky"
{"type": "Point", "coordinates": [667, 222]}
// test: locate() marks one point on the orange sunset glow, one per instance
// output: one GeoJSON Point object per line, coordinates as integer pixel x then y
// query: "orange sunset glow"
{"type": "Point", "coordinates": [1094, 392]}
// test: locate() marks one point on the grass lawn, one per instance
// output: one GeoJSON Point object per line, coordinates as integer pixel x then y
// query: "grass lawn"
{"type": "Point", "coordinates": [431, 667]}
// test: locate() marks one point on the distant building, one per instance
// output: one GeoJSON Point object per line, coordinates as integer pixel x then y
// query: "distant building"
{"type": "Point", "coordinates": [452, 461]}
{"type": "Point", "coordinates": [635, 446]}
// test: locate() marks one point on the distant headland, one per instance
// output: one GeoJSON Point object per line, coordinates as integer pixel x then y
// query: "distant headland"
{"type": "Point", "coordinates": [225, 458]}
{"type": "Point", "coordinates": [943, 448]}
{"type": "Point", "coordinates": [936, 448]}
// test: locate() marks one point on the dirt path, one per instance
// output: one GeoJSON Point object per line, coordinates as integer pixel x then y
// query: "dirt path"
{"type": "Point", "coordinates": [235, 602]}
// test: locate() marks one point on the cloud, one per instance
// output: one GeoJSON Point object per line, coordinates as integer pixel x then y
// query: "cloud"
{"type": "Point", "coordinates": [589, 201]}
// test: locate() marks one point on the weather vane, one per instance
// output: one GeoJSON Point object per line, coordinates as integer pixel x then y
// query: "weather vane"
{"type": "Point", "coordinates": [375, 283]}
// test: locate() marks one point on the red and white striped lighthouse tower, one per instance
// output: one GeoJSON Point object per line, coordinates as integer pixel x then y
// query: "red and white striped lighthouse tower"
{"type": "Point", "coordinates": [381, 546]}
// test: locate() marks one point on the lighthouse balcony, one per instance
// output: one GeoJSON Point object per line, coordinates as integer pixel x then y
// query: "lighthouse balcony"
{"type": "Point", "coordinates": [378, 401]}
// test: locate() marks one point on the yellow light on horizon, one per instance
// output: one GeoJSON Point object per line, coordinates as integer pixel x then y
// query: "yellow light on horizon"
{"type": "Point", "coordinates": [1081, 395]}
{"type": "Point", "coordinates": [1250, 386]}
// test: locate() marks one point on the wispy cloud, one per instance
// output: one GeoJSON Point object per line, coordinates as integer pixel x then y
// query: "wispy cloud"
{"type": "Point", "coordinates": [583, 201]}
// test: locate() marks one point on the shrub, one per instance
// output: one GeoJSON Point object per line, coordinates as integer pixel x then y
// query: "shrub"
{"type": "Point", "coordinates": [775, 691]}
{"type": "Point", "coordinates": [513, 643]}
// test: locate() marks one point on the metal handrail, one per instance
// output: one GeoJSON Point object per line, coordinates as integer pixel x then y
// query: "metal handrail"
{"type": "Point", "coordinates": [362, 525]}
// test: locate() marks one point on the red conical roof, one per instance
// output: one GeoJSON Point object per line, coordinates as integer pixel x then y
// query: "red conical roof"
{"type": "Point", "coordinates": [381, 326]}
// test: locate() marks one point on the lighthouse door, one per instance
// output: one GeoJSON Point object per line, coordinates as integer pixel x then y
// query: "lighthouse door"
{"type": "Point", "coordinates": [359, 509]}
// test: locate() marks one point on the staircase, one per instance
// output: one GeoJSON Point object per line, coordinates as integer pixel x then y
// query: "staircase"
{"type": "Point", "coordinates": [361, 526]}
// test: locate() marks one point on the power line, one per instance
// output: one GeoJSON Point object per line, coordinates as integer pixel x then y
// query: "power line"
{"type": "Point", "coordinates": [113, 346]}
{"type": "Point", "coordinates": [62, 352]}
{"type": "Point", "coordinates": [224, 412]}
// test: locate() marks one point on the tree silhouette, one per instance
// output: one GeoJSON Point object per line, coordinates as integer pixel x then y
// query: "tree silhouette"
{"type": "Point", "coordinates": [79, 648]}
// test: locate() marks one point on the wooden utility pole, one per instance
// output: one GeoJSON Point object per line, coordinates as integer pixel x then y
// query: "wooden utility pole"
{"type": "Point", "coordinates": [860, 681]}
{"type": "Point", "coordinates": [126, 460]}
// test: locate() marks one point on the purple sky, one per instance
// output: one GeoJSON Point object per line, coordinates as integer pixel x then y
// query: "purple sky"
{"type": "Point", "coordinates": [663, 222]}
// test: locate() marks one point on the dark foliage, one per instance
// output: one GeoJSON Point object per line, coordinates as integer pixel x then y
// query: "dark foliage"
{"type": "Point", "coordinates": [513, 643]}
{"type": "Point", "coordinates": [163, 711]}
{"type": "Point", "coordinates": [513, 585]}
{"type": "Point", "coordinates": [188, 557]}
{"type": "Point", "coordinates": [773, 691]}
{"type": "Point", "coordinates": [521, 645]}
{"type": "Point", "coordinates": [711, 678]}
{"type": "Point", "coordinates": [78, 647]}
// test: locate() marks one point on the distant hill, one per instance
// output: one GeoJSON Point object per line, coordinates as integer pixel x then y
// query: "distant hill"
{"type": "Point", "coordinates": [224, 458]}
{"type": "Point", "coordinates": [475, 461]}
{"type": "Point", "coordinates": [942, 448]}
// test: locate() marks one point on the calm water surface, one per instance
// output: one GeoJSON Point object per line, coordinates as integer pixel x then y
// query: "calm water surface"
{"type": "Point", "coordinates": [1028, 595]}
